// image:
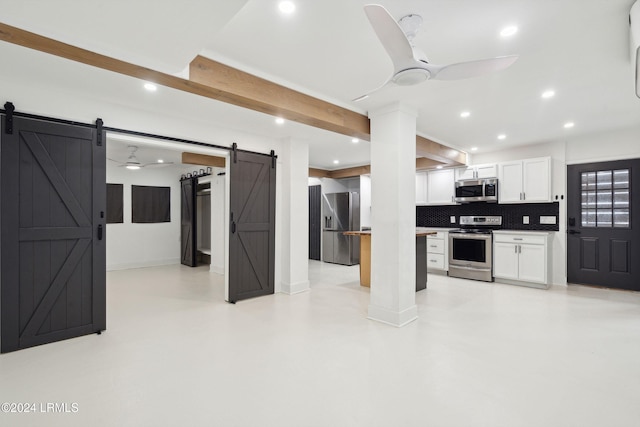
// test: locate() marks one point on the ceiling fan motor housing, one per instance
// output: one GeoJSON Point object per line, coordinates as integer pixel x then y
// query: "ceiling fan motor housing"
{"type": "Point", "coordinates": [411, 77]}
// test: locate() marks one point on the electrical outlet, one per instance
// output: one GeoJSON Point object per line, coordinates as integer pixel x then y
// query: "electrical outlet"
{"type": "Point", "coordinates": [525, 219]}
{"type": "Point", "coordinates": [452, 219]}
{"type": "Point", "coordinates": [548, 220]}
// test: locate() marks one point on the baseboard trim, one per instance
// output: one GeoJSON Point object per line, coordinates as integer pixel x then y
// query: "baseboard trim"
{"type": "Point", "coordinates": [216, 269]}
{"type": "Point", "coordinates": [295, 288]}
{"type": "Point", "coordinates": [153, 263]}
{"type": "Point", "coordinates": [392, 317]}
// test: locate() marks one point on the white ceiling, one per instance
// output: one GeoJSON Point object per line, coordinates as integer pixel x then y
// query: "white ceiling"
{"type": "Point", "coordinates": [579, 48]}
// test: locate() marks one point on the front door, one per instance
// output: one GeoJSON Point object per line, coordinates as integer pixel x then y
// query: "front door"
{"type": "Point", "coordinates": [252, 208]}
{"type": "Point", "coordinates": [53, 206]}
{"type": "Point", "coordinates": [603, 211]}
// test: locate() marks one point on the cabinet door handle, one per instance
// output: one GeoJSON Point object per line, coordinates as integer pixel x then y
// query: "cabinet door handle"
{"type": "Point", "coordinates": [515, 249]}
{"type": "Point", "coordinates": [519, 249]}
{"type": "Point", "coordinates": [433, 246]}
{"type": "Point", "coordinates": [524, 196]}
{"type": "Point", "coordinates": [517, 238]}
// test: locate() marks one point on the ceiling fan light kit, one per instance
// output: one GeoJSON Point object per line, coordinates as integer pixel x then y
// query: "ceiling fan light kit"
{"type": "Point", "coordinates": [410, 65]}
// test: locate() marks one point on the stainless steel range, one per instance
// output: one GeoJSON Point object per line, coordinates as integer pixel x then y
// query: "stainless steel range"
{"type": "Point", "coordinates": [470, 248]}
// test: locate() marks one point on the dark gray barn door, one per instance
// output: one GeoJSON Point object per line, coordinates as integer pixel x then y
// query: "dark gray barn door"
{"type": "Point", "coordinates": [188, 221]}
{"type": "Point", "coordinates": [252, 235]}
{"type": "Point", "coordinates": [603, 211]}
{"type": "Point", "coordinates": [53, 198]}
{"type": "Point", "coordinates": [315, 206]}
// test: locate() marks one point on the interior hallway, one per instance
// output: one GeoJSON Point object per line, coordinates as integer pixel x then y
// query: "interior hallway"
{"type": "Point", "coordinates": [480, 354]}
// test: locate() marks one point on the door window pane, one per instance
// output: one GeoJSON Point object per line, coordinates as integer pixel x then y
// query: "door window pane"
{"type": "Point", "coordinates": [605, 198]}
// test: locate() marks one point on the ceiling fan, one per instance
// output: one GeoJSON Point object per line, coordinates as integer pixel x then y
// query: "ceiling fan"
{"type": "Point", "coordinates": [133, 163]}
{"type": "Point", "coordinates": [410, 64]}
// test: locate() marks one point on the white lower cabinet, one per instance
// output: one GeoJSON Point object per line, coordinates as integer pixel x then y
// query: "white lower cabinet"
{"type": "Point", "coordinates": [437, 252]}
{"type": "Point", "coordinates": [522, 257]}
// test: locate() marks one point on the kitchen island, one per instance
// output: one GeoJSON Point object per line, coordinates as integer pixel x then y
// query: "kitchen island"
{"type": "Point", "coordinates": [421, 256]}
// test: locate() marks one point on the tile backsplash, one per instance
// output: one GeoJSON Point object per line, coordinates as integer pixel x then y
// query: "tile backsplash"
{"type": "Point", "coordinates": [512, 215]}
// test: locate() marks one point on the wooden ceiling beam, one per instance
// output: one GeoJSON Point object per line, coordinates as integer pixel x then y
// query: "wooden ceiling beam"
{"type": "Point", "coordinates": [441, 153]}
{"type": "Point", "coordinates": [421, 163]}
{"type": "Point", "coordinates": [424, 163]}
{"type": "Point", "coordinates": [202, 160]}
{"type": "Point", "coordinates": [255, 93]}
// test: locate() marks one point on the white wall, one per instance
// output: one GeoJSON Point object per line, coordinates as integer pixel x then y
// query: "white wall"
{"type": "Point", "coordinates": [140, 245]}
{"type": "Point", "coordinates": [614, 145]}
{"type": "Point", "coordinates": [218, 222]}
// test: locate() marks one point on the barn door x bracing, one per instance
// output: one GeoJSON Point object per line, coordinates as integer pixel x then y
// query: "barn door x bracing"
{"type": "Point", "coordinates": [53, 200]}
{"type": "Point", "coordinates": [252, 215]}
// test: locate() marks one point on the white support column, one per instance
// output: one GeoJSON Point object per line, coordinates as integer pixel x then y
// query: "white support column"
{"type": "Point", "coordinates": [393, 215]}
{"type": "Point", "coordinates": [294, 216]}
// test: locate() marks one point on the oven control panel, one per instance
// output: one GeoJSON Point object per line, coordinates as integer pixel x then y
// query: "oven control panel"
{"type": "Point", "coordinates": [495, 220]}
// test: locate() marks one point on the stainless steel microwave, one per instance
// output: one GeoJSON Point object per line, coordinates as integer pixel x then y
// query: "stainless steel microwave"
{"type": "Point", "coordinates": [476, 190]}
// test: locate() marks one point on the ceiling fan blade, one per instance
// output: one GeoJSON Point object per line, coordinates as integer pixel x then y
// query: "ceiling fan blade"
{"type": "Point", "coordinates": [465, 70]}
{"type": "Point", "coordinates": [366, 95]}
{"type": "Point", "coordinates": [391, 36]}
{"type": "Point", "coordinates": [115, 161]}
{"type": "Point", "coordinates": [157, 165]}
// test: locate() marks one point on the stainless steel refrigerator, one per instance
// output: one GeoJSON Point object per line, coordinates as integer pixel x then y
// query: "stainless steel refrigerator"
{"type": "Point", "coordinates": [341, 212]}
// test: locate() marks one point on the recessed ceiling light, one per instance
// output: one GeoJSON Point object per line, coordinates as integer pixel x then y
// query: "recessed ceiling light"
{"type": "Point", "coordinates": [355, 140]}
{"type": "Point", "coordinates": [502, 136]}
{"type": "Point", "coordinates": [150, 87]}
{"type": "Point", "coordinates": [160, 161]}
{"type": "Point", "coordinates": [287, 7]}
{"type": "Point", "coordinates": [438, 167]}
{"type": "Point", "coordinates": [474, 148]}
{"type": "Point", "coordinates": [508, 31]}
{"type": "Point", "coordinates": [279, 120]}
{"type": "Point", "coordinates": [548, 94]}
{"type": "Point", "coordinates": [569, 125]}
{"type": "Point", "coordinates": [335, 162]}
{"type": "Point", "coordinates": [465, 114]}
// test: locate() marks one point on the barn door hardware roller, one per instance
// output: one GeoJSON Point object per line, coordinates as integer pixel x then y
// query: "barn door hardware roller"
{"type": "Point", "coordinates": [234, 152]}
{"type": "Point", "coordinates": [99, 124]}
{"type": "Point", "coordinates": [9, 109]}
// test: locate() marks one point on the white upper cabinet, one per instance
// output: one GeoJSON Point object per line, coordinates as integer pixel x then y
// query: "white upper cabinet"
{"type": "Point", "coordinates": [477, 171]}
{"type": "Point", "coordinates": [421, 188]}
{"type": "Point", "coordinates": [441, 187]}
{"type": "Point", "coordinates": [536, 185]}
{"type": "Point", "coordinates": [525, 181]}
{"type": "Point", "coordinates": [486, 171]}
{"type": "Point", "coordinates": [467, 172]}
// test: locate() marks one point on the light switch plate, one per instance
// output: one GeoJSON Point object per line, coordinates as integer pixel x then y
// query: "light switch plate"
{"type": "Point", "coordinates": [452, 219]}
{"type": "Point", "coordinates": [525, 219]}
{"type": "Point", "coordinates": [547, 220]}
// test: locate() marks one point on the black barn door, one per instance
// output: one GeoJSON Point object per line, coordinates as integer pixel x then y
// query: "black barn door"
{"type": "Point", "coordinates": [252, 235]}
{"type": "Point", "coordinates": [315, 215]}
{"type": "Point", "coordinates": [603, 211]}
{"type": "Point", "coordinates": [53, 199]}
{"type": "Point", "coordinates": [188, 239]}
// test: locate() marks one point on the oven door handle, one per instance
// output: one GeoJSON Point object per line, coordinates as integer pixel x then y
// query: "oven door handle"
{"type": "Point", "coordinates": [470, 236]}
{"type": "Point", "coordinates": [463, 267]}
